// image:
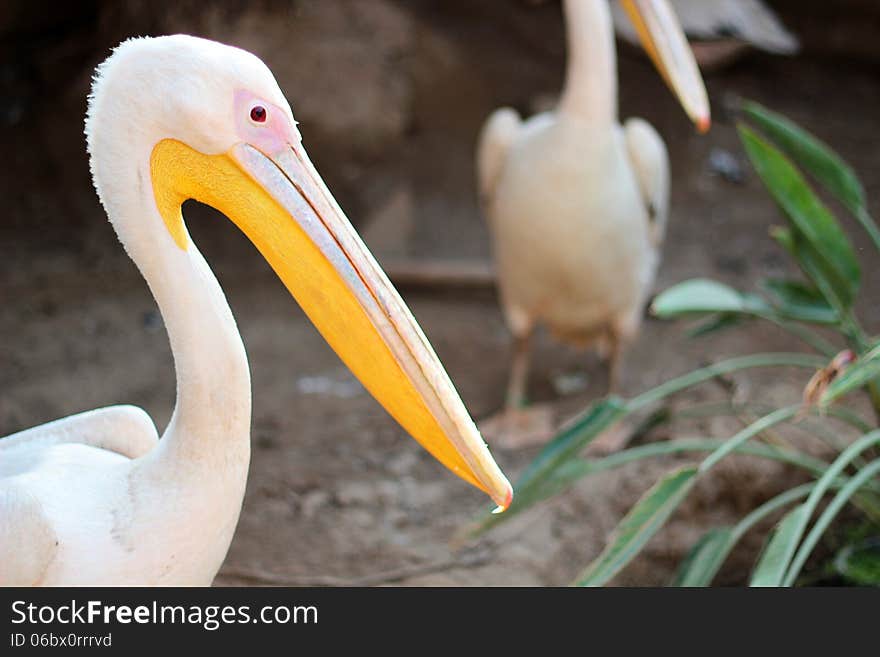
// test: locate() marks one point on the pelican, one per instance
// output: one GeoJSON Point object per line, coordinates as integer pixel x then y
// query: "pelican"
{"type": "Point", "coordinates": [724, 28]}
{"type": "Point", "coordinates": [97, 498]}
{"type": "Point", "coordinates": [577, 204]}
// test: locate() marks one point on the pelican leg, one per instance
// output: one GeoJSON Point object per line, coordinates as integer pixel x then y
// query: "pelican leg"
{"type": "Point", "coordinates": [615, 437]}
{"type": "Point", "coordinates": [517, 426]}
{"type": "Point", "coordinates": [615, 361]}
{"type": "Point", "coordinates": [519, 371]}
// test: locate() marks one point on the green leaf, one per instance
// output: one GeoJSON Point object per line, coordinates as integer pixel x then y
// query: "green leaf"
{"type": "Point", "coordinates": [826, 166]}
{"type": "Point", "coordinates": [543, 476]}
{"type": "Point", "coordinates": [860, 563]}
{"type": "Point", "coordinates": [576, 469]}
{"type": "Point", "coordinates": [700, 295]}
{"type": "Point", "coordinates": [574, 437]}
{"type": "Point", "coordinates": [810, 262]}
{"type": "Point", "coordinates": [726, 307]}
{"type": "Point", "coordinates": [834, 507]}
{"type": "Point", "coordinates": [639, 525]}
{"type": "Point", "coordinates": [779, 550]}
{"type": "Point", "coordinates": [800, 302]}
{"type": "Point", "coordinates": [761, 424]}
{"type": "Point", "coordinates": [709, 554]}
{"type": "Point", "coordinates": [814, 224]}
{"type": "Point", "coordinates": [722, 368]}
{"type": "Point", "coordinates": [859, 374]}
{"type": "Point", "coordinates": [820, 161]}
{"type": "Point", "coordinates": [705, 558]}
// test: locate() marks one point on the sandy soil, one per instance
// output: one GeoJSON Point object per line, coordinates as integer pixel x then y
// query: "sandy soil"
{"type": "Point", "coordinates": [336, 492]}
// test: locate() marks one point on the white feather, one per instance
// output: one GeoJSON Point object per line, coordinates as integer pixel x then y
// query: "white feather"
{"type": "Point", "coordinates": [747, 20]}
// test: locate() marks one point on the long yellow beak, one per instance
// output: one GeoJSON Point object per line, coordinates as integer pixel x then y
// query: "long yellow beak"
{"type": "Point", "coordinates": [283, 206]}
{"type": "Point", "coordinates": [666, 44]}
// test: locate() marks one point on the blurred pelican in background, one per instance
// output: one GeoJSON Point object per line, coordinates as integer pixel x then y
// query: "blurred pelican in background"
{"type": "Point", "coordinates": [721, 30]}
{"type": "Point", "coordinates": [577, 204]}
{"type": "Point", "coordinates": [97, 498]}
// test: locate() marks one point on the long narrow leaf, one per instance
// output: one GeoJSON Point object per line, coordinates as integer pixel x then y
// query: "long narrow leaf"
{"type": "Point", "coordinates": [819, 159]}
{"type": "Point", "coordinates": [784, 543]}
{"type": "Point", "coordinates": [825, 279]}
{"type": "Point", "coordinates": [726, 307]}
{"type": "Point", "coordinates": [701, 296]}
{"type": "Point", "coordinates": [532, 486]}
{"type": "Point", "coordinates": [709, 554]}
{"type": "Point", "coordinates": [574, 437]}
{"type": "Point", "coordinates": [723, 368]}
{"type": "Point", "coordinates": [639, 526]}
{"type": "Point", "coordinates": [578, 468]}
{"type": "Point", "coordinates": [770, 420]}
{"type": "Point", "coordinates": [778, 551]}
{"type": "Point", "coordinates": [812, 220]}
{"type": "Point", "coordinates": [830, 512]}
{"type": "Point", "coordinates": [705, 558]}
{"type": "Point", "coordinates": [800, 302]}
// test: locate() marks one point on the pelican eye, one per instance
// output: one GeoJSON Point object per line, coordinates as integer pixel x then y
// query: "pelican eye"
{"type": "Point", "coordinates": [258, 114]}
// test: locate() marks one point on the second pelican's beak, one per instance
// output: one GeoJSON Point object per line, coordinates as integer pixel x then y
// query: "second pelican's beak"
{"type": "Point", "coordinates": [666, 44]}
{"type": "Point", "coordinates": [283, 206]}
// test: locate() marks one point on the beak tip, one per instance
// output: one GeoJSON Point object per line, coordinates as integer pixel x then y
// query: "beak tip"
{"type": "Point", "coordinates": [504, 500]}
{"type": "Point", "coordinates": [704, 123]}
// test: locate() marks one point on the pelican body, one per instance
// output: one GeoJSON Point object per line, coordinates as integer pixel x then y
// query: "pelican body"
{"type": "Point", "coordinates": [577, 204]}
{"type": "Point", "coordinates": [97, 498]}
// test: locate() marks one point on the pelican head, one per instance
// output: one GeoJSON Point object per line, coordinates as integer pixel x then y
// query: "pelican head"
{"type": "Point", "coordinates": [665, 42]}
{"type": "Point", "coordinates": [215, 127]}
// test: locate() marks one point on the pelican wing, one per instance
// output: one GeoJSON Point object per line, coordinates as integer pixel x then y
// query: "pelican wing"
{"type": "Point", "coordinates": [650, 162]}
{"type": "Point", "coordinates": [747, 20]}
{"type": "Point", "coordinates": [27, 540]}
{"type": "Point", "coordinates": [499, 132]}
{"type": "Point", "coordinates": [126, 430]}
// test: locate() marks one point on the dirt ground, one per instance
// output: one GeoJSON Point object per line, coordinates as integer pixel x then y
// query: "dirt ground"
{"type": "Point", "coordinates": [337, 493]}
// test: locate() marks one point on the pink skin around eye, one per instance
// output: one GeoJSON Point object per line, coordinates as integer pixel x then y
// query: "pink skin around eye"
{"type": "Point", "coordinates": [272, 136]}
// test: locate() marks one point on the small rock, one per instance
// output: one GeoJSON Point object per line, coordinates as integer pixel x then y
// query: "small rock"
{"type": "Point", "coordinates": [570, 383]}
{"type": "Point", "coordinates": [325, 385]}
{"type": "Point", "coordinates": [152, 320]}
{"type": "Point", "coordinates": [723, 163]}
